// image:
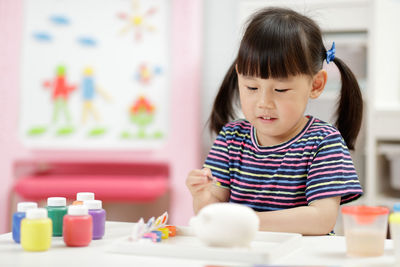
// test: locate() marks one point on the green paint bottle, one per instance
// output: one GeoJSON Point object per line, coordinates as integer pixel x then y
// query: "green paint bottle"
{"type": "Point", "coordinates": [56, 209]}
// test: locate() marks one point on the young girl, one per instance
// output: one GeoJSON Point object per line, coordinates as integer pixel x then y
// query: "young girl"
{"type": "Point", "coordinates": [293, 170]}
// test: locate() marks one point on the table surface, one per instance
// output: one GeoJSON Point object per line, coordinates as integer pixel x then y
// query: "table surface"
{"type": "Point", "coordinates": [319, 250]}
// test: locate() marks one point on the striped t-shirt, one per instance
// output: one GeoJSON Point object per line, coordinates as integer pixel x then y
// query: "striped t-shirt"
{"type": "Point", "coordinates": [315, 164]}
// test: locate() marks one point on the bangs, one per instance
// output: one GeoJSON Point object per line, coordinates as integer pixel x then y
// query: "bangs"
{"type": "Point", "coordinates": [274, 48]}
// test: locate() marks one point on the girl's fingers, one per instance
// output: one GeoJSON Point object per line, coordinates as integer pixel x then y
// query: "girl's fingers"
{"type": "Point", "coordinates": [208, 173]}
{"type": "Point", "coordinates": [197, 180]}
{"type": "Point", "coordinates": [199, 188]}
{"type": "Point", "coordinates": [196, 173]}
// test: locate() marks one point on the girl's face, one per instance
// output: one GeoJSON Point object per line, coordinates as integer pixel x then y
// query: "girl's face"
{"type": "Point", "coordinates": [275, 107]}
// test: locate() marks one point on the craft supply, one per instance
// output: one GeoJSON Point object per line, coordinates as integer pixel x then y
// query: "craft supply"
{"type": "Point", "coordinates": [365, 230]}
{"type": "Point", "coordinates": [226, 225]}
{"type": "Point", "coordinates": [83, 196]}
{"type": "Point", "coordinates": [36, 230]}
{"type": "Point", "coordinates": [164, 232]}
{"type": "Point", "coordinates": [56, 208]}
{"type": "Point", "coordinates": [161, 221]}
{"type": "Point", "coordinates": [139, 229]}
{"type": "Point", "coordinates": [172, 230]}
{"type": "Point", "coordinates": [394, 223]}
{"type": "Point", "coordinates": [78, 226]}
{"type": "Point", "coordinates": [152, 236]}
{"type": "Point", "coordinates": [99, 217]}
{"type": "Point", "coordinates": [18, 216]}
{"type": "Point", "coordinates": [159, 235]}
{"type": "Point", "coordinates": [152, 226]}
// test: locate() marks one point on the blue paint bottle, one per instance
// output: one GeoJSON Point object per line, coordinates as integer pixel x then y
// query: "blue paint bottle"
{"type": "Point", "coordinates": [22, 207]}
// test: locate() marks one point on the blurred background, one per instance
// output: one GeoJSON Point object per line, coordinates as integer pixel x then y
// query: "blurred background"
{"type": "Point", "coordinates": [113, 97]}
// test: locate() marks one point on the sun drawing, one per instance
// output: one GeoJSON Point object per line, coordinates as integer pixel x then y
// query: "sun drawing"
{"type": "Point", "coordinates": [138, 20]}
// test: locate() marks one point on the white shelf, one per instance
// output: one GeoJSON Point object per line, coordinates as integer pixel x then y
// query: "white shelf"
{"type": "Point", "coordinates": [386, 124]}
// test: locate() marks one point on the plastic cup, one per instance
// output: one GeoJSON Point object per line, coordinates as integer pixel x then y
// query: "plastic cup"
{"type": "Point", "coordinates": [365, 229]}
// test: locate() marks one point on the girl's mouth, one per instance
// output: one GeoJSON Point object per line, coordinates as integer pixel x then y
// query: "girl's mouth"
{"type": "Point", "coordinates": [267, 118]}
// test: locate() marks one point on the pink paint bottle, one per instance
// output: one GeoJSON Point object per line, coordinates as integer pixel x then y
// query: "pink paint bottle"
{"type": "Point", "coordinates": [77, 226]}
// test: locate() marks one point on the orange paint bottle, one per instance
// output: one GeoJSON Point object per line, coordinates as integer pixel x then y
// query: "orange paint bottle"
{"type": "Point", "coordinates": [83, 196]}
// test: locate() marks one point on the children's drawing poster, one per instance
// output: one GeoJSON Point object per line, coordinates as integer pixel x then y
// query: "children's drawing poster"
{"type": "Point", "coordinates": [95, 74]}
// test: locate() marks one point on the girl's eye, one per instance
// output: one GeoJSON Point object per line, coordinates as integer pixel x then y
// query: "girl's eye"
{"type": "Point", "coordinates": [281, 90]}
{"type": "Point", "coordinates": [251, 88]}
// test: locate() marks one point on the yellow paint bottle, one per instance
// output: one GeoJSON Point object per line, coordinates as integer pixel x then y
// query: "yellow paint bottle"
{"type": "Point", "coordinates": [36, 230]}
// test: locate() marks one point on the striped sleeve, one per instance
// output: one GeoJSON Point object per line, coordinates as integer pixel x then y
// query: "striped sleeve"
{"type": "Point", "coordinates": [218, 160]}
{"type": "Point", "coordinates": [332, 172]}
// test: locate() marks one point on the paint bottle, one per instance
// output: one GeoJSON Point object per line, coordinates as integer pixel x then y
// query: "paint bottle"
{"type": "Point", "coordinates": [83, 196]}
{"type": "Point", "coordinates": [171, 229]}
{"type": "Point", "coordinates": [99, 217]}
{"type": "Point", "coordinates": [164, 232]}
{"type": "Point", "coordinates": [22, 207]}
{"type": "Point", "coordinates": [78, 226]}
{"type": "Point", "coordinates": [36, 230]}
{"type": "Point", "coordinates": [56, 208]}
{"type": "Point", "coordinates": [394, 224]}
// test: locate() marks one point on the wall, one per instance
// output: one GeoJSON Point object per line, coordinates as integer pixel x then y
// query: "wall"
{"type": "Point", "coordinates": [10, 21]}
{"type": "Point", "coordinates": [221, 39]}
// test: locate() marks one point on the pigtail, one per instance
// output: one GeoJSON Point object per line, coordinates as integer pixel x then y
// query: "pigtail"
{"type": "Point", "coordinates": [223, 107]}
{"type": "Point", "coordinates": [349, 110]}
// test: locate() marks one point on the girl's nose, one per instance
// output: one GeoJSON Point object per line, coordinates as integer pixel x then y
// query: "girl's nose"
{"type": "Point", "coordinates": [266, 100]}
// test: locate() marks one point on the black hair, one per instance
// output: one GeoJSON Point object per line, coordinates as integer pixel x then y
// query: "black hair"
{"type": "Point", "coordinates": [279, 43]}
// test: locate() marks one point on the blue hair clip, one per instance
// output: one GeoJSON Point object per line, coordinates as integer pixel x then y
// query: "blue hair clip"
{"type": "Point", "coordinates": [330, 54]}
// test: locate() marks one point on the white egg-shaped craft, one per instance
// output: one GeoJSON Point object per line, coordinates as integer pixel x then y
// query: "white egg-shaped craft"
{"type": "Point", "coordinates": [226, 225]}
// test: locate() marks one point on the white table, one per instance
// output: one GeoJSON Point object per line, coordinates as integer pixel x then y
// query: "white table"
{"type": "Point", "coordinates": [321, 250]}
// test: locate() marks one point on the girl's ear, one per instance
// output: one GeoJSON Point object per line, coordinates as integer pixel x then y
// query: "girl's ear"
{"type": "Point", "coordinates": [318, 83]}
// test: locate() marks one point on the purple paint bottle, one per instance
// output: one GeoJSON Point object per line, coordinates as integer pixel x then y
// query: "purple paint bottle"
{"type": "Point", "coordinates": [99, 217]}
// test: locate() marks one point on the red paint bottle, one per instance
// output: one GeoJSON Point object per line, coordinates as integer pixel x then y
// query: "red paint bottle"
{"type": "Point", "coordinates": [77, 226]}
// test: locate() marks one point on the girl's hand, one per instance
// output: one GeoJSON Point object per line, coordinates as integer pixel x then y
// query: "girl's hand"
{"type": "Point", "coordinates": [199, 181]}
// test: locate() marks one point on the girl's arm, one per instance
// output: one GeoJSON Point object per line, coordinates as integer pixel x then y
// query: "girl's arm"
{"type": "Point", "coordinates": [201, 185]}
{"type": "Point", "coordinates": [213, 195]}
{"type": "Point", "coordinates": [318, 218]}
